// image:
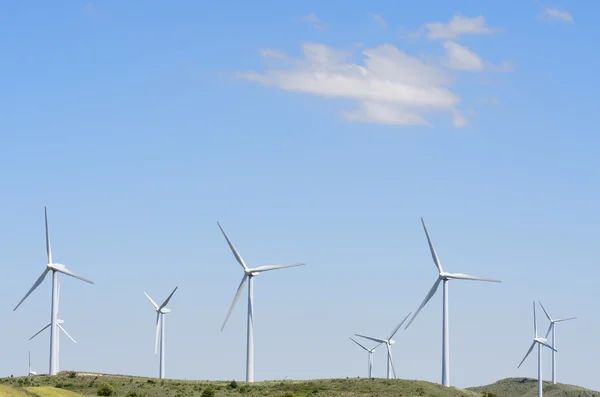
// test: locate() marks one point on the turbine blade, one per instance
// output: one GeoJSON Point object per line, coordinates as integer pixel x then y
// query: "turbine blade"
{"type": "Point", "coordinates": [565, 319]}
{"type": "Point", "coordinates": [534, 321]}
{"type": "Point", "coordinates": [273, 267]}
{"type": "Point", "coordinates": [359, 344]}
{"type": "Point", "coordinates": [48, 247]}
{"type": "Point", "coordinates": [168, 299]}
{"type": "Point", "coordinates": [66, 271]}
{"type": "Point", "coordinates": [35, 285]}
{"type": "Point", "coordinates": [157, 329]}
{"type": "Point", "coordinates": [40, 331]}
{"type": "Point", "coordinates": [461, 276]}
{"type": "Point", "coordinates": [549, 329]}
{"type": "Point", "coordinates": [399, 325]}
{"type": "Point", "coordinates": [432, 249]}
{"type": "Point", "coordinates": [427, 298]}
{"type": "Point", "coordinates": [547, 345]}
{"type": "Point", "coordinates": [66, 333]}
{"type": "Point", "coordinates": [371, 338]}
{"type": "Point", "coordinates": [235, 299]}
{"type": "Point", "coordinates": [391, 359]}
{"type": "Point", "coordinates": [545, 312]}
{"type": "Point", "coordinates": [237, 255]}
{"type": "Point", "coordinates": [153, 303]}
{"type": "Point", "coordinates": [528, 352]}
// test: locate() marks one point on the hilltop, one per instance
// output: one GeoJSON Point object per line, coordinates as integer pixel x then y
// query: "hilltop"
{"type": "Point", "coordinates": [84, 384]}
{"type": "Point", "coordinates": [527, 387]}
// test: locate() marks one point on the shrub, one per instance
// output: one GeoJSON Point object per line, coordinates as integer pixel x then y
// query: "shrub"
{"type": "Point", "coordinates": [132, 393]}
{"type": "Point", "coordinates": [289, 394]}
{"type": "Point", "coordinates": [72, 374]}
{"type": "Point", "coordinates": [233, 384]}
{"type": "Point", "coordinates": [208, 392]}
{"type": "Point", "coordinates": [104, 389]}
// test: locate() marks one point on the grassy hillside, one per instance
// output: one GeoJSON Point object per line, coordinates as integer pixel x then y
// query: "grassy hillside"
{"type": "Point", "coordinates": [88, 384]}
{"type": "Point", "coordinates": [82, 384]}
{"type": "Point", "coordinates": [525, 387]}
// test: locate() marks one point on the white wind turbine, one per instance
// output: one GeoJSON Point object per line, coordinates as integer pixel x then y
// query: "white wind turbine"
{"type": "Point", "coordinates": [160, 327]}
{"type": "Point", "coordinates": [540, 342]}
{"type": "Point", "coordinates": [55, 268]}
{"type": "Point", "coordinates": [444, 277]}
{"type": "Point", "coordinates": [30, 371]}
{"type": "Point", "coordinates": [59, 323]}
{"type": "Point", "coordinates": [249, 275]}
{"type": "Point", "coordinates": [370, 351]}
{"type": "Point", "coordinates": [388, 343]}
{"type": "Point", "coordinates": [551, 327]}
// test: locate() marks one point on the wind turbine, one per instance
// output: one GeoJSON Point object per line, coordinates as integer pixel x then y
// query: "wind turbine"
{"type": "Point", "coordinates": [59, 323]}
{"type": "Point", "coordinates": [249, 275]}
{"type": "Point", "coordinates": [388, 343]}
{"type": "Point", "coordinates": [540, 342]}
{"type": "Point", "coordinates": [160, 326]}
{"type": "Point", "coordinates": [370, 351]}
{"type": "Point", "coordinates": [443, 277]}
{"type": "Point", "coordinates": [551, 327]}
{"type": "Point", "coordinates": [55, 268]}
{"type": "Point", "coordinates": [30, 371]}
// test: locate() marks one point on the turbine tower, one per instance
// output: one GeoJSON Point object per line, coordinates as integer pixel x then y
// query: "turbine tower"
{"type": "Point", "coordinates": [388, 343]}
{"type": "Point", "coordinates": [30, 371]}
{"type": "Point", "coordinates": [443, 277]}
{"type": "Point", "coordinates": [59, 323]}
{"type": "Point", "coordinates": [370, 351]}
{"type": "Point", "coordinates": [160, 327]}
{"type": "Point", "coordinates": [249, 275]}
{"type": "Point", "coordinates": [55, 268]}
{"type": "Point", "coordinates": [551, 327]}
{"type": "Point", "coordinates": [540, 342]}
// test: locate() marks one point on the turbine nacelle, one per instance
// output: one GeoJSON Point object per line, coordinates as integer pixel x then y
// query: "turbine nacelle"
{"type": "Point", "coordinates": [165, 310]}
{"type": "Point", "coordinates": [391, 342]}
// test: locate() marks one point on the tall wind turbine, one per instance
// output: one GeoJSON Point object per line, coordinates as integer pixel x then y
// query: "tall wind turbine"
{"type": "Point", "coordinates": [30, 371]}
{"type": "Point", "coordinates": [59, 323]}
{"type": "Point", "coordinates": [388, 343]}
{"type": "Point", "coordinates": [249, 275]}
{"type": "Point", "coordinates": [55, 268]}
{"type": "Point", "coordinates": [160, 327]}
{"type": "Point", "coordinates": [443, 277]}
{"type": "Point", "coordinates": [551, 327]}
{"type": "Point", "coordinates": [540, 342]}
{"type": "Point", "coordinates": [370, 351]}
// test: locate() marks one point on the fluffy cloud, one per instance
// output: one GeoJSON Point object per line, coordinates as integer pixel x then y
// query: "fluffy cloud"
{"type": "Point", "coordinates": [458, 25]}
{"type": "Point", "coordinates": [552, 14]}
{"type": "Point", "coordinates": [313, 20]}
{"type": "Point", "coordinates": [462, 58]}
{"type": "Point", "coordinates": [387, 85]}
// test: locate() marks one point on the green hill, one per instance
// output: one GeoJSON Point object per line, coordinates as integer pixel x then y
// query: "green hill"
{"type": "Point", "coordinates": [86, 384]}
{"type": "Point", "coordinates": [526, 387]}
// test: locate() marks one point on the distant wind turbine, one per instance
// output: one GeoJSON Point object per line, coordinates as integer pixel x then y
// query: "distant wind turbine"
{"type": "Point", "coordinates": [540, 342]}
{"type": "Point", "coordinates": [370, 351]}
{"type": "Point", "coordinates": [551, 327]}
{"type": "Point", "coordinates": [59, 323]}
{"type": "Point", "coordinates": [443, 277]}
{"type": "Point", "coordinates": [249, 275]}
{"type": "Point", "coordinates": [55, 268]}
{"type": "Point", "coordinates": [160, 327]}
{"type": "Point", "coordinates": [388, 343]}
{"type": "Point", "coordinates": [30, 371]}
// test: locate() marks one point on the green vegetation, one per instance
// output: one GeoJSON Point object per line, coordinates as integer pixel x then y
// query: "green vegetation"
{"type": "Point", "coordinates": [68, 383]}
{"type": "Point", "coordinates": [526, 387]}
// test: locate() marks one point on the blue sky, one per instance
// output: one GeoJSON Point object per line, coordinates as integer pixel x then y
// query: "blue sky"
{"type": "Point", "coordinates": [141, 125]}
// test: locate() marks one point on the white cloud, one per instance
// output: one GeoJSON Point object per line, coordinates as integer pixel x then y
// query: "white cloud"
{"type": "Point", "coordinates": [553, 14]}
{"type": "Point", "coordinates": [379, 21]}
{"type": "Point", "coordinates": [391, 87]}
{"type": "Point", "coordinates": [313, 20]}
{"type": "Point", "coordinates": [457, 26]}
{"type": "Point", "coordinates": [90, 10]}
{"type": "Point", "coordinates": [462, 58]}
{"type": "Point", "coordinates": [386, 85]}
{"type": "Point", "coordinates": [493, 101]}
